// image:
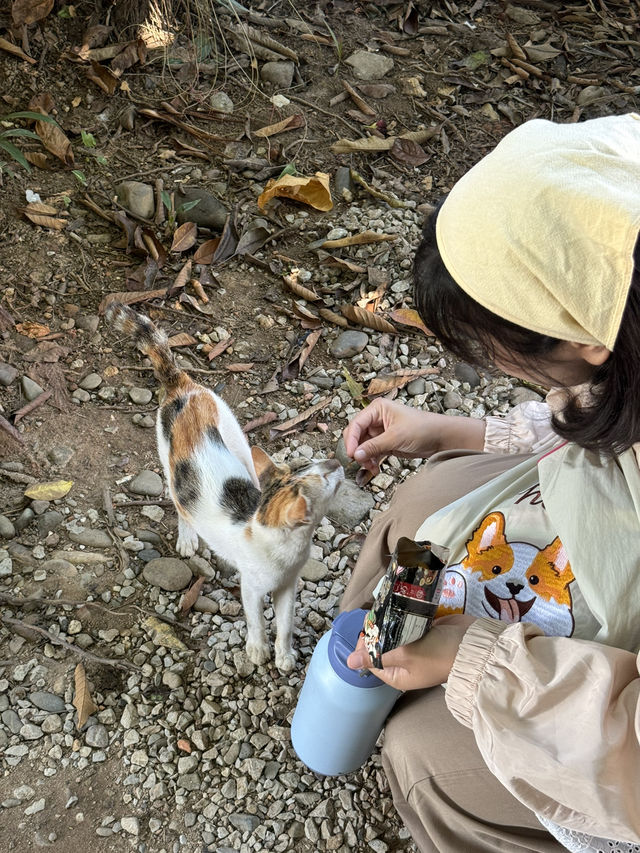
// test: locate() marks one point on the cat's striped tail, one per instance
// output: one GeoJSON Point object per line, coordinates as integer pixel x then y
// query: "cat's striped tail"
{"type": "Point", "coordinates": [150, 340]}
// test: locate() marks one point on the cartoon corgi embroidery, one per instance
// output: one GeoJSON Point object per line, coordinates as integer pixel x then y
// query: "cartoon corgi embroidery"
{"type": "Point", "coordinates": [511, 581]}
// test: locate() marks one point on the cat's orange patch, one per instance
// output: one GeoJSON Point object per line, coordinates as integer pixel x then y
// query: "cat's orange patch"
{"type": "Point", "coordinates": [189, 429]}
{"type": "Point", "coordinates": [275, 513]}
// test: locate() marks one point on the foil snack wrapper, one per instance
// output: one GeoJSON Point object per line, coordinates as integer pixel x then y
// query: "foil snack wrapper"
{"type": "Point", "coordinates": [406, 599]}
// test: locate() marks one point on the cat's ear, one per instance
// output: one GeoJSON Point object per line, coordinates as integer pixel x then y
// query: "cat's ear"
{"type": "Point", "coordinates": [261, 461]}
{"type": "Point", "coordinates": [299, 512]}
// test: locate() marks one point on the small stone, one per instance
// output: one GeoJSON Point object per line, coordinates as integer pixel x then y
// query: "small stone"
{"type": "Point", "coordinates": [140, 396]}
{"type": "Point", "coordinates": [39, 507]}
{"type": "Point", "coordinates": [91, 382]}
{"type": "Point", "coordinates": [314, 570]}
{"type": "Point", "coordinates": [35, 807]}
{"type": "Point", "coordinates": [51, 723]}
{"type": "Point", "coordinates": [148, 554]}
{"type": "Point", "coordinates": [7, 530]}
{"type": "Point", "coordinates": [206, 605]}
{"type": "Point", "coordinates": [146, 483]}
{"type": "Point", "coordinates": [172, 680]}
{"type": "Point", "coordinates": [348, 344]}
{"type": "Point", "coordinates": [81, 395]}
{"type": "Point", "coordinates": [60, 454]}
{"type": "Point", "coordinates": [222, 102]}
{"type": "Point", "coordinates": [280, 74]}
{"type": "Point", "coordinates": [350, 505]}
{"type": "Point", "coordinates": [244, 822]}
{"type": "Point", "coordinates": [30, 389]}
{"type": "Point", "coordinates": [47, 701]}
{"type": "Point", "coordinates": [343, 183]}
{"type": "Point", "coordinates": [465, 373]}
{"type": "Point", "coordinates": [416, 387]}
{"type": "Point", "coordinates": [130, 825]}
{"type": "Point", "coordinates": [8, 374]}
{"type": "Point", "coordinates": [189, 781]}
{"type": "Point", "coordinates": [137, 197]}
{"type": "Point", "coordinates": [24, 519]}
{"type": "Point", "coordinates": [520, 394]}
{"type": "Point", "coordinates": [31, 732]}
{"type": "Point", "coordinates": [168, 573]}
{"type": "Point", "coordinates": [155, 513]}
{"type": "Point", "coordinates": [88, 323]}
{"type": "Point", "coordinates": [452, 400]}
{"type": "Point", "coordinates": [129, 718]}
{"type": "Point", "coordinates": [369, 66]}
{"type": "Point", "coordinates": [24, 792]}
{"type": "Point", "coordinates": [6, 564]}
{"type": "Point", "coordinates": [337, 234]}
{"type": "Point", "coordinates": [92, 538]}
{"type": "Point", "coordinates": [209, 212]}
{"type": "Point", "coordinates": [48, 521]}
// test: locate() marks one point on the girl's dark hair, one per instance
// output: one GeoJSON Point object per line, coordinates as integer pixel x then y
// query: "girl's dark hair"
{"type": "Point", "coordinates": [609, 423]}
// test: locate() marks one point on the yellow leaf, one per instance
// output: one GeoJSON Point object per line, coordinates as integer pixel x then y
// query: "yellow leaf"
{"type": "Point", "coordinates": [50, 491]}
{"type": "Point", "coordinates": [410, 317]}
{"type": "Point", "coordinates": [163, 634]}
{"type": "Point", "coordinates": [312, 191]}
{"type": "Point", "coordinates": [82, 701]}
{"type": "Point", "coordinates": [33, 330]}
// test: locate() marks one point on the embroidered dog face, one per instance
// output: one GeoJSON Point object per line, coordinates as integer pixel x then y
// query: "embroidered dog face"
{"type": "Point", "coordinates": [511, 581]}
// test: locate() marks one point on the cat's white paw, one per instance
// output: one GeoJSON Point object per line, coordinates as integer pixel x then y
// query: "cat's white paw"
{"type": "Point", "coordinates": [286, 661]}
{"type": "Point", "coordinates": [258, 653]}
{"type": "Point", "coordinates": [187, 543]}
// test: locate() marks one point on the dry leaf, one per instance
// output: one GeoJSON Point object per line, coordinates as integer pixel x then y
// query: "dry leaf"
{"type": "Point", "coordinates": [134, 52]}
{"type": "Point", "coordinates": [410, 317]}
{"type": "Point", "coordinates": [376, 90]}
{"type": "Point", "coordinates": [312, 191]}
{"type": "Point", "coordinates": [49, 491]}
{"type": "Point", "coordinates": [344, 263]}
{"type": "Point", "coordinates": [303, 416]}
{"type": "Point", "coordinates": [182, 339]}
{"type": "Point", "coordinates": [241, 367]}
{"type": "Point", "coordinates": [332, 317]}
{"type": "Point", "coordinates": [82, 700]}
{"type": "Point", "coordinates": [33, 330]}
{"type": "Point", "coordinates": [364, 476]}
{"type": "Point", "coordinates": [253, 237]}
{"type": "Point", "coordinates": [219, 348]}
{"type": "Point", "coordinates": [299, 289]}
{"type": "Point", "coordinates": [55, 140]}
{"type": "Point", "coordinates": [289, 123]}
{"type": "Point", "coordinates": [376, 143]}
{"type": "Point", "coordinates": [383, 383]}
{"type": "Point", "coordinates": [16, 51]}
{"type": "Point", "coordinates": [356, 389]}
{"type": "Point", "coordinates": [358, 240]}
{"type": "Point", "coordinates": [163, 634]}
{"type": "Point", "coordinates": [191, 596]}
{"type": "Point", "coordinates": [267, 418]}
{"type": "Point", "coordinates": [102, 77]}
{"type": "Point", "coordinates": [130, 297]}
{"type": "Point", "coordinates": [185, 237]}
{"type": "Point", "coordinates": [408, 151]}
{"type": "Point", "coordinates": [181, 279]}
{"type": "Point", "coordinates": [228, 239]}
{"type": "Point", "coordinates": [37, 158]}
{"type": "Point", "coordinates": [204, 253]}
{"type": "Point", "coordinates": [46, 220]}
{"type": "Point", "coordinates": [368, 319]}
{"type": "Point", "coordinates": [30, 11]}
{"type": "Point", "coordinates": [390, 200]}
{"type": "Point", "coordinates": [358, 101]}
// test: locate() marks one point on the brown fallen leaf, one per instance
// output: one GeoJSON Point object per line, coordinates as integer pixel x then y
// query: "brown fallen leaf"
{"type": "Point", "coordinates": [29, 11]}
{"type": "Point", "coordinates": [313, 191]}
{"type": "Point", "coordinates": [263, 420]}
{"type": "Point", "coordinates": [383, 383]}
{"type": "Point", "coordinates": [310, 320]}
{"type": "Point", "coordinates": [358, 240]}
{"type": "Point", "coordinates": [368, 319]}
{"type": "Point", "coordinates": [46, 220]}
{"type": "Point", "coordinates": [82, 700]}
{"type": "Point", "coordinates": [37, 158]}
{"type": "Point", "coordinates": [241, 367]}
{"type": "Point", "coordinates": [362, 105]}
{"type": "Point", "coordinates": [182, 339]}
{"type": "Point", "coordinates": [377, 91]}
{"type": "Point", "coordinates": [219, 348]}
{"type": "Point", "coordinates": [228, 239]}
{"type": "Point", "coordinates": [16, 51]}
{"type": "Point", "coordinates": [289, 123]}
{"type": "Point", "coordinates": [332, 317]}
{"type": "Point", "coordinates": [134, 52]}
{"type": "Point", "coordinates": [102, 77]}
{"type": "Point", "coordinates": [292, 369]}
{"type": "Point", "coordinates": [181, 279]}
{"type": "Point", "coordinates": [410, 317]}
{"type": "Point", "coordinates": [56, 141]}
{"type": "Point", "coordinates": [294, 285]}
{"type": "Point", "coordinates": [33, 330]}
{"type": "Point", "coordinates": [191, 596]}
{"type": "Point", "coordinates": [376, 143]}
{"type": "Point", "coordinates": [299, 419]}
{"type": "Point", "coordinates": [47, 351]}
{"type": "Point", "coordinates": [390, 200]}
{"type": "Point", "coordinates": [185, 237]}
{"type": "Point", "coordinates": [344, 263]}
{"type": "Point", "coordinates": [131, 297]}
{"type": "Point", "coordinates": [204, 253]}
{"type": "Point", "coordinates": [409, 152]}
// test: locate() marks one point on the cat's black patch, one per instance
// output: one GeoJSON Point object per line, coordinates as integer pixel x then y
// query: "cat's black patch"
{"type": "Point", "coordinates": [213, 434]}
{"type": "Point", "coordinates": [240, 498]}
{"type": "Point", "coordinates": [168, 415]}
{"type": "Point", "coordinates": [186, 483]}
{"type": "Point", "coordinates": [270, 485]}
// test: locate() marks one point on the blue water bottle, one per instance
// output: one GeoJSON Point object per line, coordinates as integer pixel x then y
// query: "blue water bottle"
{"type": "Point", "coordinates": [340, 712]}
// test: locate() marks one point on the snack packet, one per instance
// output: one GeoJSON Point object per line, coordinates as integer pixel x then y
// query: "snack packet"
{"type": "Point", "coordinates": [406, 599]}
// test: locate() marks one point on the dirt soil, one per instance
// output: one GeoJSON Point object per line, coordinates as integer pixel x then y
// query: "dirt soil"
{"type": "Point", "coordinates": [466, 73]}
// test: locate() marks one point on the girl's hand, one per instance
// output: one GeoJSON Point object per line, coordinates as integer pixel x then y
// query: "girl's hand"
{"type": "Point", "coordinates": [425, 663]}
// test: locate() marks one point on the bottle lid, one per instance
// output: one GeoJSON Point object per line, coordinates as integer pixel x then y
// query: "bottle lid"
{"type": "Point", "coordinates": [342, 641]}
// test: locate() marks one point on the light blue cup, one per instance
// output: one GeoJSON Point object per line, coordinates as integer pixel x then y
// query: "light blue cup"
{"type": "Point", "coordinates": [340, 713]}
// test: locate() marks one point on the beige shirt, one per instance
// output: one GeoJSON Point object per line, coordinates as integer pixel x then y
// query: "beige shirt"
{"type": "Point", "coordinates": [557, 719]}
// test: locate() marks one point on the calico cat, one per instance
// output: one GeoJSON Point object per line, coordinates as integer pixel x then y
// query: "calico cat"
{"type": "Point", "coordinates": [254, 514]}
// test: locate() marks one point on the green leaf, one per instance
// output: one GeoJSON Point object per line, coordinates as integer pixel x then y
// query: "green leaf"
{"type": "Point", "coordinates": [355, 388]}
{"type": "Point", "coordinates": [17, 155]}
{"type": "Point", "coordinates": [166, 199]}
{"type": "Point", "coordinates": [102, 160]}
{"type": "Point", "coordinates": [64, 12]}
{"type": "Point", "coordinates": [289, 169]}
{"type": "Point", "coordinates": [29, 114]}
{"type": "Point", "coordinates": [88, 139]}
{"type": "Point", "coordinates": [19, 131]}
{"type": "Point", "coordinates": [188, 205]}
{"type": "Point", "coordinates": [79, 176]}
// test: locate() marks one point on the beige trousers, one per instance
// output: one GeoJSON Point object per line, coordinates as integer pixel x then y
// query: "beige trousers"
{"type": "Point", "coordinates": [442, 789]}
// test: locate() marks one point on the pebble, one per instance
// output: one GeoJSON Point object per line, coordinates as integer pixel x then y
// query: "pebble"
{"type": "Point", "coordinates": [140, 396]}
{"type": "Point", "coordinates": [30, 389]}
{"type": "Point", "coordinates": [92, 538]}
{"type": "Point", "coordinates": [48, 521]}
{"type": "Point", "coordinates": [280, 74]}
{"type": "Point", "coordinates": [520, 394]}
{"type": "Point", "coordinates": [88, 322]}
{"type": "Point", "coordinates": [8, 374]}
{"type": "Point", "coordinates": [222, 102]}
{"type": "Point", "coordinates": [348, 344]}
{"type": "Point", "coordinates": [465, 373]}
{"type": "Point", "coordinates": [35, 807]}
{"type": "Point", "coordinates": [350, 505]}
{"type": "Point", "coordinates": [452, 400]}
{"type": "Point", "coordinates": [51, 723]}
{"type": "Point", "coordinates": [168, 573]}
{"type": "Point", "coordinates": [90, 382]}
{"type": "Point", "coordinates": [155, 513]}
{"type": "Point", "coordinates": [130, 825]}
{"type": "Point", "coordinates": [147, 483]}
{"type": "Point", "coordinates": [47, 701]}
{"type": "Point", "coordinates": [416, 387]}
{"type": "Point", "coordinates": [24, 519]}
{"type": "Point", "coordinates": [81, 395]}
{"type": "Point", "coordinates": [29, 731]}
{"type": "Point", "coordinates": [7, 530]}
{"type": "Point", "coordinates": [209, 212]}
{"type": "Point", "coordinates": [137, 197]}
{"type": "Point", "coordinates": [314, 570]}
{"type": "Point", "coordinates": [369, 66]}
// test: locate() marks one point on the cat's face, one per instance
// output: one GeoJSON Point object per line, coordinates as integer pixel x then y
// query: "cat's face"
{"type": "Point", "coordinates": [291, 499]}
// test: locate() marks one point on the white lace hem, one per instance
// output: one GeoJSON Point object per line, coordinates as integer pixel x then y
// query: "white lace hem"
{"type": "Point", "coordinates": [579, 842]}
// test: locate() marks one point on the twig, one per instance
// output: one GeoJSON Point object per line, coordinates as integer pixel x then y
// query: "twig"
{"type": "Point", "coordinates": [57, 641]}
{"type": "Point", "coordinates": [107, 503]}
{"type": "Point", "coordinates": [11, 430]}
{"type": "Point", "coordinates": [146, 503]}
{"type": "Point", "coordinates": [312, 106]}
{"type": "Point", "coordinates": [25, 410]}
{"type": "Point", "coordinates": [32, 602]}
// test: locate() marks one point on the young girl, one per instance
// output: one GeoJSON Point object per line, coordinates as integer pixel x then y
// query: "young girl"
{"type": "Point", "coordinates": [534, 744]}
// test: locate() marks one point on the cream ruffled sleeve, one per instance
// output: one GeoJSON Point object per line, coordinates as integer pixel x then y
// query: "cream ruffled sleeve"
{"type": "Point", "coordinates": [557, 721]}
{"type": "Point", "coordinates": [526, 429]}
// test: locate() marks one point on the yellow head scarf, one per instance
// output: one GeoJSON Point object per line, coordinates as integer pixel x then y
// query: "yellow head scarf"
{"type": "Point", "coordinates": [542, 230]}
